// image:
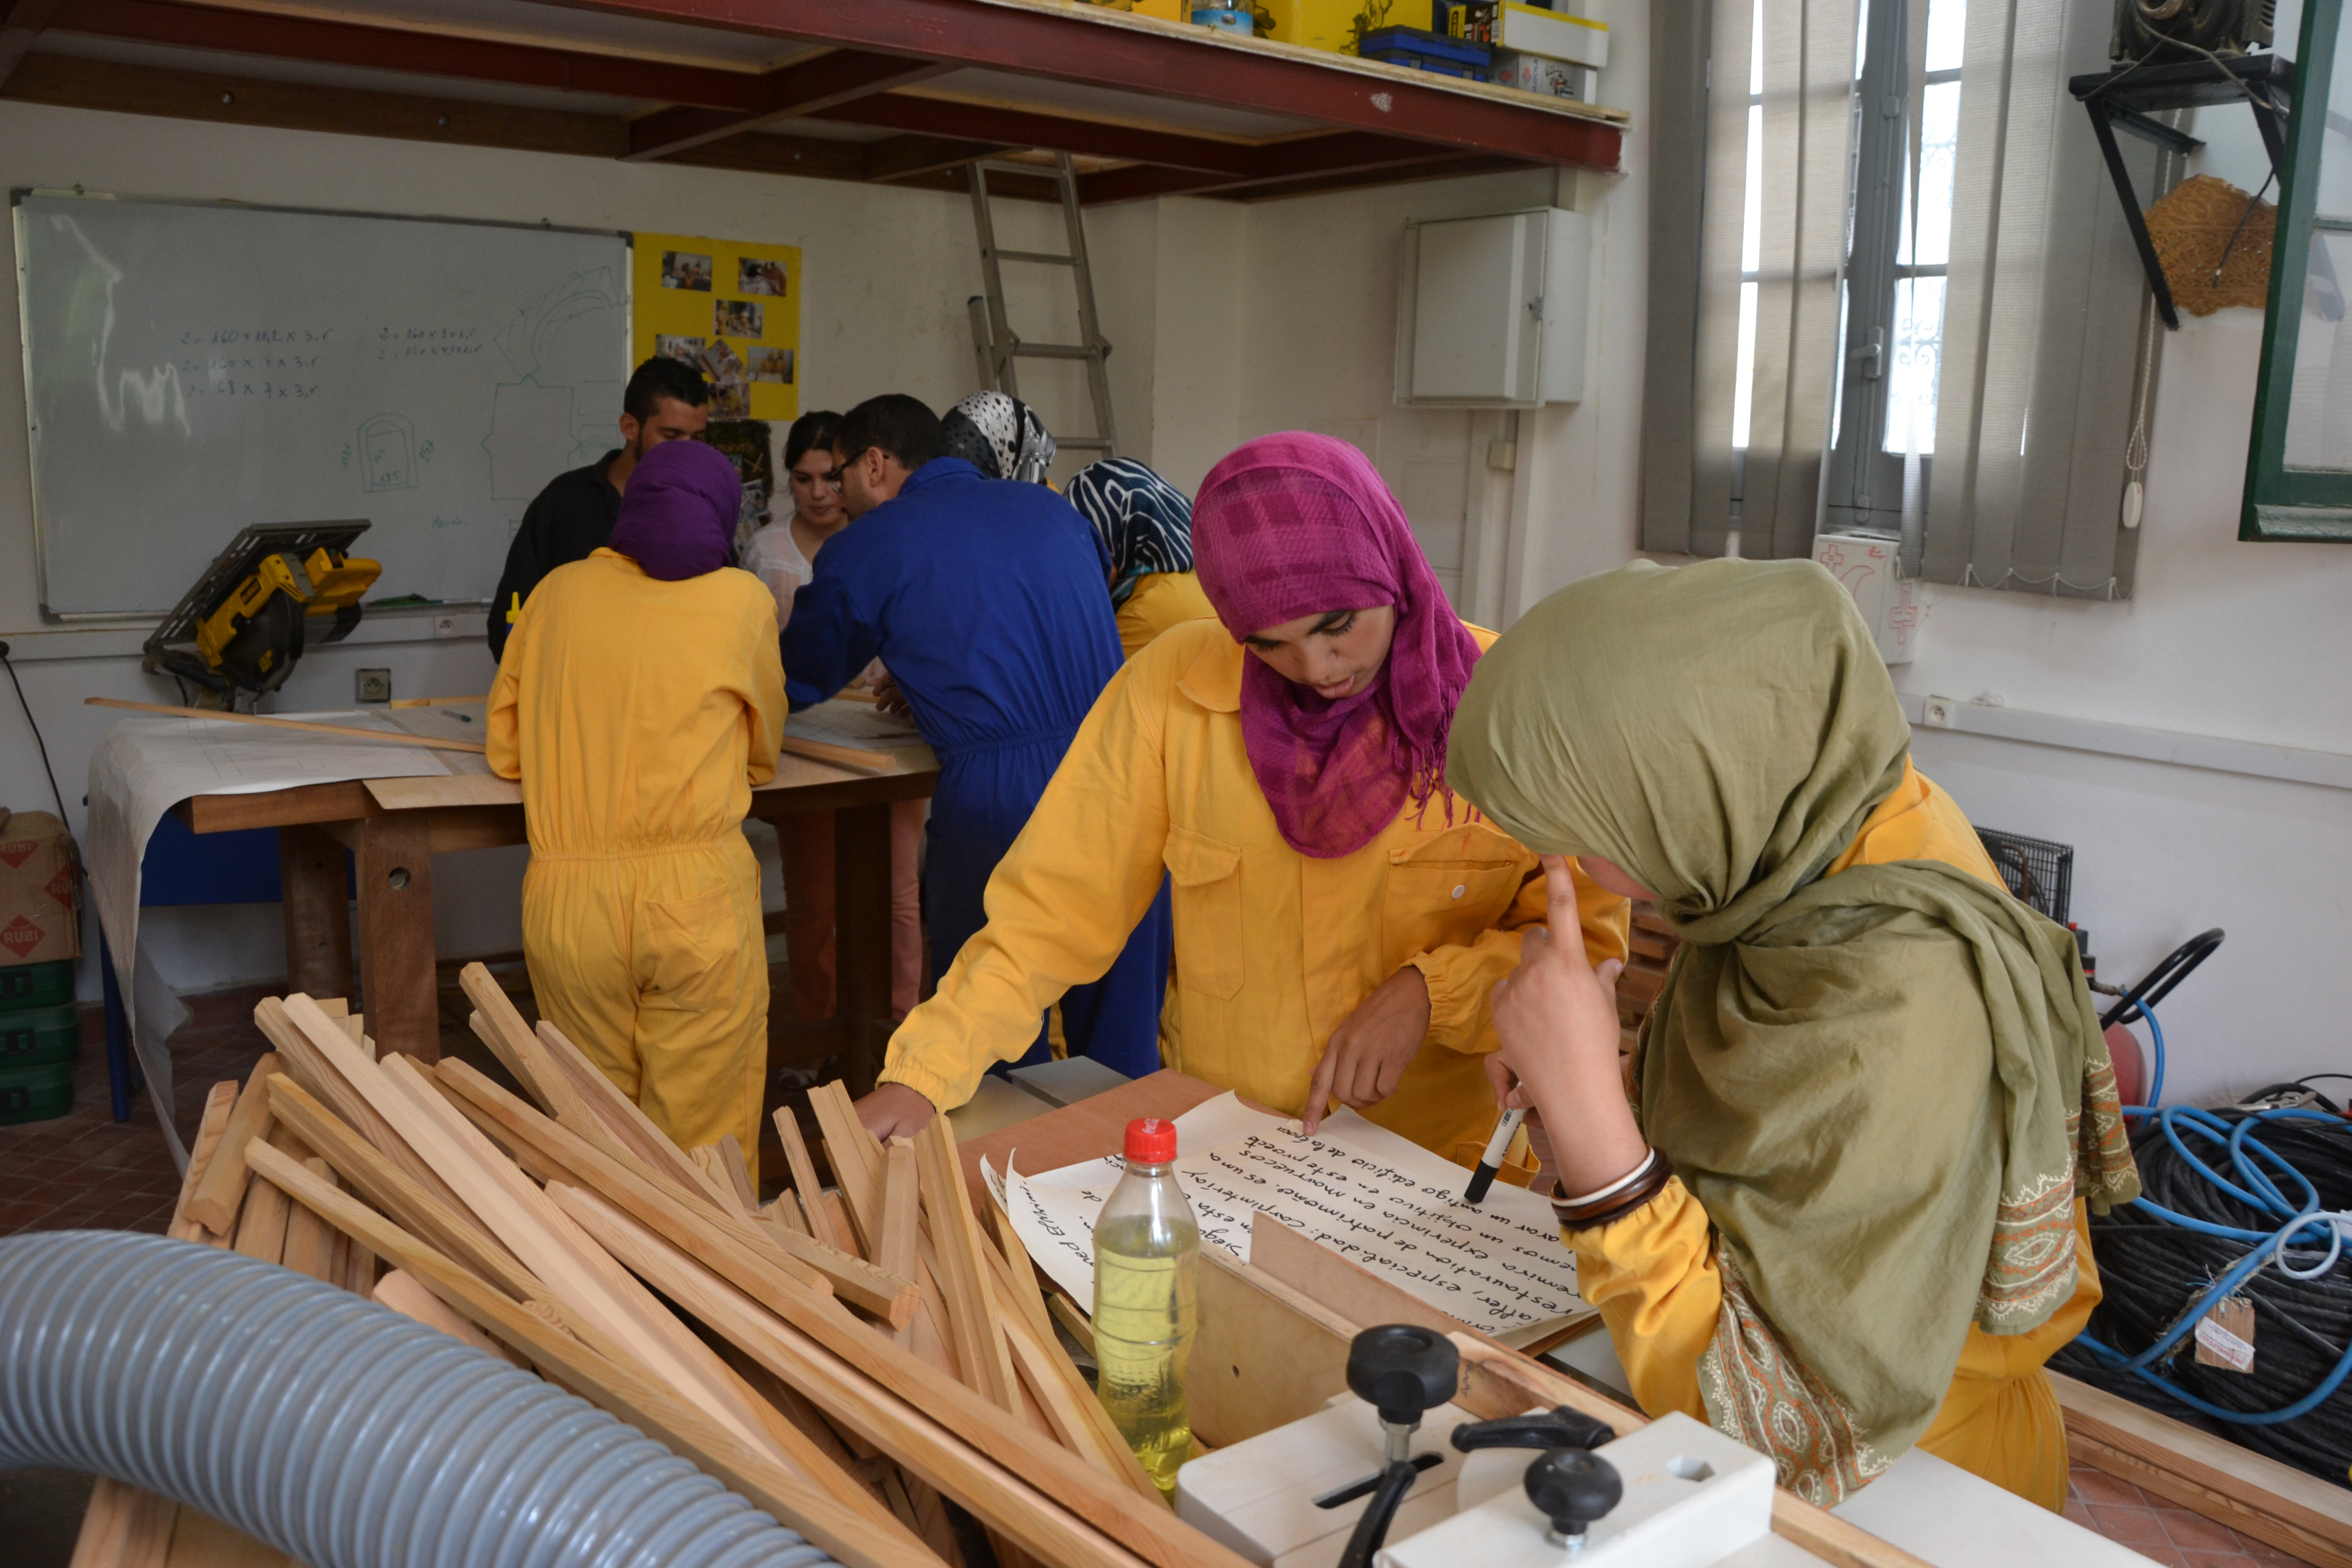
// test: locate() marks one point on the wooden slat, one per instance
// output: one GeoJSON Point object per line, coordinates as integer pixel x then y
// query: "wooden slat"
{"type": "Point", "coordinates": [754, 1251]}
{"type": "Point", "coordinates": [2250, 1492]}
{"type": "Point", "coordinates": [605, 1374]}
{"type": "Point", "coordinates": [123, 1527]}
{"type": "Point", "coordinates": [344, 732]}
{"type": "Point", "coordinates": [217, 1197]}
{"type": "Point", "coordinates": [901, 1214]}
{"type": "Point", "coordinates": [309, 1240]}
{"type": "Point", "coordinates": [400, 1291]}
{"type": "Point", "coordinates": [1084, 1131]}
{"type": "Point", "coordinates": [974, 1322]}
{"type": "Point", "coordinates": [218, 1105]}
{"type": "Point", "coordinates": [328, 1087]}
{"type": "Point", "coordinates": [452, 1229]}
{"type": "Point", "coordinates": [987, 1482]}
{"type": "Point", "coordinates": [804, 1182]}
{"type": "Point", "coordinates": [856, 1159]}
{"type": "Point", "coordinates": [499, 1026]}
{"type": "Point", "coordinates": [620, 1117]}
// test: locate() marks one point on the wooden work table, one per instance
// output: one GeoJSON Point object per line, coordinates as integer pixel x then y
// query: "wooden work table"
{"type": "Point", "coordinates": [395, 826]}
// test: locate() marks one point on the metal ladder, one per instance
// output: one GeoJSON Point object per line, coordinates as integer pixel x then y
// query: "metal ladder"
{"type": "Point", "coordinates": [993, 337]}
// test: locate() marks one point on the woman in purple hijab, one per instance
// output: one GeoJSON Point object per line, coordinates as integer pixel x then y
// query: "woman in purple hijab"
{"type": "Point", "coordinates": [639, 700]}
{"type": "Point", "coordinates": [678, 516]}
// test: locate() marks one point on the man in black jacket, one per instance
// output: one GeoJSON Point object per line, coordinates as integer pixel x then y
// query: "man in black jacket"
{"type": "Point", "coordinates": [666, 400]}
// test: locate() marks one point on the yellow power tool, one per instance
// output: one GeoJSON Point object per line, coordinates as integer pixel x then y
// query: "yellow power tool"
{"type": "Point", "coordinates": [277, 588]}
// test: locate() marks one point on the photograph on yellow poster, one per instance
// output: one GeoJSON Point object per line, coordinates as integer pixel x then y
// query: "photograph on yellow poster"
{"type": "Point", "coordinates": [730, 309]}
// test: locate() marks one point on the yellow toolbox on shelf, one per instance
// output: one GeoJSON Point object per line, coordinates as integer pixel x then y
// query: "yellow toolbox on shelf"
{"type": "Point", "coordinates": [1166, 10]}
{"type": "Point", "coordinates": [1335, 24]}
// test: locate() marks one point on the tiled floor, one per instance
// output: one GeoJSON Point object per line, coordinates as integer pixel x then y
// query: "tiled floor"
{"type": "Point", "coordinates": [2160, 1530]}
{"type": "Point", "coordinates": [86, 1169]}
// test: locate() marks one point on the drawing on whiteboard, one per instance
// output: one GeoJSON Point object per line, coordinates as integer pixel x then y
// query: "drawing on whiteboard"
{"type": "Point", "coordinates": [388, 453]}
{"type": "Point", "coordinates": [529, 438]}
{"type": "Point", "coordinates": [157, 392]}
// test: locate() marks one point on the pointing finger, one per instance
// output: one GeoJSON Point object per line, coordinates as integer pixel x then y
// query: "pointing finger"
{"type": "Point", "coordinates": [1565, 924]}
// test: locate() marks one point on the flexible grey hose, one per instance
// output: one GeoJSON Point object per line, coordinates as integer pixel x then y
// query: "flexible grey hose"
{"type": "Point", "coordinates": [335, 1430]}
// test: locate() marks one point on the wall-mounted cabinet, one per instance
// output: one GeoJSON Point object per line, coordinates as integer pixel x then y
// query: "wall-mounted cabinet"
{"type": "Point", "coordinates": [1491, 310]}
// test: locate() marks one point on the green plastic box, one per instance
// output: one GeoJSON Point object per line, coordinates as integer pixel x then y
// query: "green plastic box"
{"type": "Point", "coordinates": [35, 1093]}
{"type": "Point", "coordinates": [39, 1037]}
{"type": "Point", "coordinates": [35, 984]}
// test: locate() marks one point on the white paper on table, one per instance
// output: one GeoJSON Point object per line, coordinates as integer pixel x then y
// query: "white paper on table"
{"type": "Point", "coordinates": [1376, 1198]}
{"type": "Point", "coordinates": [148, 763]}
{"type": "Point", "coordinates": [844, 724]}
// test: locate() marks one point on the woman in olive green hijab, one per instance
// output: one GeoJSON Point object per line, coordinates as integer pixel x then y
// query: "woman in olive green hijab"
{"type": "Point", "coordinates": [1840, 1217]}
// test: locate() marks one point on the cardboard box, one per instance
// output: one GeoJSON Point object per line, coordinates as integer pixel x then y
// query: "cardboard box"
{"type": "Point", "coordinates": [1540, 73]}
{"type": "Point", "coordinates": [1579, 40]}
{"type": "Point", "coordinates": [40, 890]}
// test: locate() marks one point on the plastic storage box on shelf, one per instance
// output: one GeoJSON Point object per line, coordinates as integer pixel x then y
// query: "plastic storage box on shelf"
{"type": "Point", "coordinates": [1424, 50]}
{"type": "Point", "coordinates": [1504, 25]}
{"type": "Point", "coordinates": [1541, 73]}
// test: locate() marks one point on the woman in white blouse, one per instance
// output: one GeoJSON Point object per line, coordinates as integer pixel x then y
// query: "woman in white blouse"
{"type": "Point", "coordinates": [780, 554]}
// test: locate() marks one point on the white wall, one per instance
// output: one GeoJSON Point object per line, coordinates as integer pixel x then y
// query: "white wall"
{"type": "Point", "coordinates": [886, 273]}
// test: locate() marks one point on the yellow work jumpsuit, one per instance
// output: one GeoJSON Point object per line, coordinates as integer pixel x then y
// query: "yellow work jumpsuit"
{"type": "Point", "coordinates": [1653, 1274]}
{"type": "Point", "coordinates": [1273, 949]}
{"type": "Point", "coordinates": [638, 714]}
{"type": "Point", "coordinates": [1160, 600]}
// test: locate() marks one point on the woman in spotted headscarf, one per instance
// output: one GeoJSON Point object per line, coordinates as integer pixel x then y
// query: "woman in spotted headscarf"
{"type": "Point", "coordinates": [1000, 435]}
{"type": "Point", "coordinates": [1147, 524]}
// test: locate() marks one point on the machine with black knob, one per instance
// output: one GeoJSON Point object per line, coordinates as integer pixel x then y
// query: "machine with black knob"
{"type": "Point", "coordinates": [1573, 1488]}
{"type": "Point", "coordinates": [1403, 1370]}
{"type": "Point", "coordinates": [1563, 1426]}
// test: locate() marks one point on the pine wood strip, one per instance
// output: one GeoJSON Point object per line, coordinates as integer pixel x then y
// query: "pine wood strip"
{"type": "Point", "coordinates": [519, 1215]}
{"type": "Point", "coordinates": [218, 1104]}
{"type": "Point", "coordinates": [785, 1214]}
{"type": "Point", "coordinates": [200, 1541]}
{"type": "Point", "coordinates": [974, 1322]}
{"type": "Point", "coordinates": [307, 1066]}
{"type": "Point", "coordinates": [752, 1249]}
{"type": "Point", "coordinates": [804, 1182]}
{"type": "Point", "coordinates": [994, 1491]}
{"type": "Point", "coordinates": [501, 1027]}
{"type": "Point", "coordinates": [1071, 1322]}
{"type": "Point", "coordinates": [883, 1368]}
{"type": "Point", "coordinates": [574, 1268]}
{"type": "Point", "coordinates": [901, 1212]}
{"type": "Point", "coordinates": [1057, 1416]}
{"type": "Point", "coordinates": [348, 732]}
{"type": "Point", "coordinates": [309, 1240]}
{"type": "Point", "coordinates": [621, 1118]}
{"type": "Point", "coordinates": [215, 1201]}
{"type": "Point", "coordinates": [607, 1375]}
{"type": "Point", "coordinates": [454, 1232]}
{"type": "Point", "coordinates": [124, 1527]}
{"type": "Point", "coordinates": [856, 1158]}
{"type": "Point", "coordinates": [262, 1218]}
{"type": "Point", "coordinates": [715, 1162]}
{"type": "Point", "coordinates": [1105, 1442]}
{"type": "Point", "coordinates": [359, 1267]}
{"type": "Point", "coordinates": [740, 1177]}
{"type": "Point", "coordinates": [400, 1291]}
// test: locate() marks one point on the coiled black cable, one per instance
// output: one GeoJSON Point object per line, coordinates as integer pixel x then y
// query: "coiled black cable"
{"type": "Point", "coordinates": [2155, 1270]}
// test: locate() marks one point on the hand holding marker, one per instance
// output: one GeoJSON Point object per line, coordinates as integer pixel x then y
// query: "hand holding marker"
{"type": "Point", "coordinates": [1491, 1162]}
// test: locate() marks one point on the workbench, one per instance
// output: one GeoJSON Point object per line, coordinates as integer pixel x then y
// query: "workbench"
{"type": "Point", "coordinates": [394, 827]}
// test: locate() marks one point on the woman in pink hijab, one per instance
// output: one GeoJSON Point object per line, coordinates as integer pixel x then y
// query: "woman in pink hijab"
{"type": "Point", "coordinates": [1341, 919]}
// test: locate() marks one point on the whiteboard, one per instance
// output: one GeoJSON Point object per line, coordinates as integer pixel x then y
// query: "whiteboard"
{"type": "Point", "coordinates": [190, 369]}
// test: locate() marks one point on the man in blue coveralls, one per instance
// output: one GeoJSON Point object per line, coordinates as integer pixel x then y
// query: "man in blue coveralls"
{"type": "Point", "coordinates": [985, 599]}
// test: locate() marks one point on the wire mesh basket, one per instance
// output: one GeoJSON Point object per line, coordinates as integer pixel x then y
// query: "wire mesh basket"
{"type": "Point", "coordinates": [2038, 871]}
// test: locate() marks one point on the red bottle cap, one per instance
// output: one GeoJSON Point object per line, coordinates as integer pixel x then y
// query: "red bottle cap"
{"type": "Point", "coordinates": [1150, 1141]}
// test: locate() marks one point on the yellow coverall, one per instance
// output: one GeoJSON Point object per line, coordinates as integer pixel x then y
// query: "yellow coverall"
{"type": "Point", "coordinates": [638, 714]}
{"type": "Point", "coordinates": [1653, 1274]}
{"type": "Point", "coordinates": [1160, 600]}
{"type": "Point", "coordinates": [1273, 949]}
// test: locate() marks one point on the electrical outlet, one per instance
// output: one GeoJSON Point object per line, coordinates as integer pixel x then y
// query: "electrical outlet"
{"type": "Point", "coordinates": [1936, 713]}
{"type": "Point", "coordinates": [449, 627]}
{"type": "Point", "coordinates": [371, 686]}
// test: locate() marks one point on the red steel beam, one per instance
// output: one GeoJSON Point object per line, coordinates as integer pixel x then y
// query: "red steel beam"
{"type": "Point", "coordinates": [279, 36]}
{"type": "Point", "coordinates": [805, 87]}
{"type": "Point", "coordinates": [1159, 64]}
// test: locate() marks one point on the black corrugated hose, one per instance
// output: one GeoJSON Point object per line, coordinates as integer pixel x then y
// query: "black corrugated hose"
{"type": "Point", "coordinates": [2156, 1270]}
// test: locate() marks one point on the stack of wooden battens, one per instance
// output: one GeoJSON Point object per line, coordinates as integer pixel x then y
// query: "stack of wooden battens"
{"type": "Point", "coordinates": [848, 1359]}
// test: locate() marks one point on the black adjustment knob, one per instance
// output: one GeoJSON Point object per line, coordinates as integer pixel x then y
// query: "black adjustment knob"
{"type": "Point", "coordinates": [1573, 1489]}
{"type": "Point", "coordinates": [1403, 1370]}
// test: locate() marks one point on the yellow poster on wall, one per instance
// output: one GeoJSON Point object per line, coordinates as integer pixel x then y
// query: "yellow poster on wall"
{"type": "Point", "coordinates": [730, 309]}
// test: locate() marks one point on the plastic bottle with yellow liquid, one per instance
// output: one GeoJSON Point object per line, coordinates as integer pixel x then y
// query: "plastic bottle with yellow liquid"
{"type": "Point", "coordinates": [1147, 1260]}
